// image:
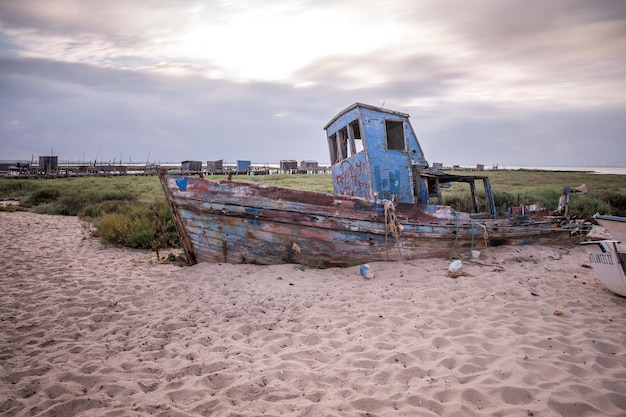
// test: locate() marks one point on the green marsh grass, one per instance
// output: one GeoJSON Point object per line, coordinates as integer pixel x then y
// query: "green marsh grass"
{"type": "Point", "coordinates": [127, 210]}
{"type": "Point", "coordinates": [320, 182]}
{"type": "Point", "coordinates": [606, 193]}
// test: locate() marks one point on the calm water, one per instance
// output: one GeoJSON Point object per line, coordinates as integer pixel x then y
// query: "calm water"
{"type": "Point", "coordinates": [597, 170]}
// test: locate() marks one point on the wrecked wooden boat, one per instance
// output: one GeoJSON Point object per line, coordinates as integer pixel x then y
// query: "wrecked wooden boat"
{"type": "Point", "coordinates": [387, 205]}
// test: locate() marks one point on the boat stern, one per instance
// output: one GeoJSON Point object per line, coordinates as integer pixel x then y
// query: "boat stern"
{"type": "Point", "coordinates": [608, 260]}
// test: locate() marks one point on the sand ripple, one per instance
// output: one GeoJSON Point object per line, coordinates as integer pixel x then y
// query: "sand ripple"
{"type": "Point", "coordinates": [89, 330]}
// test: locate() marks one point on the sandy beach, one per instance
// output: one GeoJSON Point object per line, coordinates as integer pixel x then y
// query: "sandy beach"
{"type": "Point", "coordinates": [103, 331]}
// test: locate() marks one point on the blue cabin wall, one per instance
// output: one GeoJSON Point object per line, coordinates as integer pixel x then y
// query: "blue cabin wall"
{"type": "Point", "coordinates": [390, 169]}
{"type": "Point", "coordinates": [351, 177]}
{"type": "Point", "coordinates": [377, 171]}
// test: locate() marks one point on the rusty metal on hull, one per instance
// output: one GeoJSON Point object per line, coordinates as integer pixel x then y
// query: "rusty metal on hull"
{"type": "Point", "coordinates": [236, 222]}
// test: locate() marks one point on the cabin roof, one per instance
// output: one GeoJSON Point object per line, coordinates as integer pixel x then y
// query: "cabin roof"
{"type": "Point", "coordinates": [365, 106]}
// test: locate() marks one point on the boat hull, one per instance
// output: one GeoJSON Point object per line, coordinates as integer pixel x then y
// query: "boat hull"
{"type": "Point", "coordinates": [615, 225]}
{"type": "Point", "coordinates": [608, 259]}
{"type": "Point", "coordinates": [237, 222]}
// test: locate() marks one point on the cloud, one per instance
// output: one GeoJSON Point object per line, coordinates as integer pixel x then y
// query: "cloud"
{"type": "Point", "coordinates": [90, 109]}
{"type": "Point", "coordinates": [559, 137]}
{"type": "Point", "coordinates": [491, 82]}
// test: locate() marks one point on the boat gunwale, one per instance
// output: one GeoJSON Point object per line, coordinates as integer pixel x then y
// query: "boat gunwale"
{"type": "Point", "coordinates": [610, 217]}
{"type": "Point", "coordinates": [452, 232]}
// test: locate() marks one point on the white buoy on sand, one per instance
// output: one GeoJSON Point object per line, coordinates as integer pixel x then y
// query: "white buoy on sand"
{"type": "Point", "coordinates": [455, 267]}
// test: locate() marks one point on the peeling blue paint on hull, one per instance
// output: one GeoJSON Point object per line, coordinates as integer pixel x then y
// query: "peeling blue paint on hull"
{"type": "Point", "coordinates": [236, 222]}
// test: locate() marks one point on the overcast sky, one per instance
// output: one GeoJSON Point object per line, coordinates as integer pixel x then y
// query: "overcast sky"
{"type": "Point", "coordinates": [514, 83]}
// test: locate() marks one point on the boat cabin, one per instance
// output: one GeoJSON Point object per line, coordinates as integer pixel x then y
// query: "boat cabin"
{"type": "Point", "coordinates": [375, 154]}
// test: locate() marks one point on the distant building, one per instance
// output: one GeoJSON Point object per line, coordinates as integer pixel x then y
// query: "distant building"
{"type": "Point", "coordinates": [288, 165]}
{"type": "Point", "coordinates": [480, 167]}
{"type": "Point", "coordinates": [48, 164]}
{"type": "Point", "coordinates": [437, 165]}
{"type": "Point", "coordinates": [114, 169]}
{"type": "Point", "coordinates": [85, 169]}
{"type": "Point", "coordinates": [215, 166]}
{"type": "Point", "coordinates": [309, 166]}
{"type": "Point", "coordinates": [243, 165]}
{"type": "Point", "coordinates": [151, 168]}
{"type": "Point", "coordinates": [191, 166]}
{"type": "Point", "coordinates": [17, 168]}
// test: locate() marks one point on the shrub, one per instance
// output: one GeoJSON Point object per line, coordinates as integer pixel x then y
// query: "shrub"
{"type": "Point", "coordinates": [140, 234]}
{"type": "Point", "coordinates": [458, 201]}
{"type": "Point", "coordinates": [111, 228]}
{"type": "Point", "coordinates": [166, 233]}
{"type": "Point", "coordinates": [43, 196]}
{"type": "Point", "coordinates": [15, 189]}
{"type": "Point", "coordinates": [96, 210]}
{"type": "Point", "coordinates": [503, 199]}
{"type": "Point", "coordinates": [617, 202]}
{"type": "Point", "coordinates": [46, 208]}
{"type": "Point", "coordinates": [112, 195]}
{"type": "Point", "coordinates": [72, 205]}
{"type": "Point", "coordinates": [135, 226]}
{"type": "Point", "coordinates": [11, 208]}
{"type": "Point", "coordinates": [586, 206]}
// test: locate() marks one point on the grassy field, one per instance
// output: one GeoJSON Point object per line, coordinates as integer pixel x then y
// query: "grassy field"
{"type": "Point", "coordinates": [132, 211]}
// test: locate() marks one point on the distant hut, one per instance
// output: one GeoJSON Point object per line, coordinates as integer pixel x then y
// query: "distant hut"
{"type": "Point", "coordinates": [191, 166]}
{"type": "Point", "coordinates": [48, 164]}
{"type": "Point", "coordinates": [243, 165]}
{"type": "Point", "coordinates": [288, 165]}
{"type": "Point", "coordinates": [150, 168]}
{"type": "Point", "coordinates": [114, 169]}
{"type": "Point", "coordinates": [215, 166]}
{"type": "Point", "coordinates": [83, 169]}
{"type": "Point", "coordinates": [14, 169]}
{"type": "Point", "coordinates": [309, 166]}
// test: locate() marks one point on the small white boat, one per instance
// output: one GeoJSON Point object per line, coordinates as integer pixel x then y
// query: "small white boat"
{"type": "Point", "coordinates": [608, 259]}
{"type": "Point", "coordinates": [616, 226]}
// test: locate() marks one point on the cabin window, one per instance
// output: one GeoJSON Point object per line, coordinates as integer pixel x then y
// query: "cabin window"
{"type": "Point", "coordinates": [395, 135]}
{"type": "Point", "coordinates": [338, 145]}
{"type": "Point", "coordinates": [348, 138]}
{"type": "Point", "coordinates": [332, 146]}
{"type": "Point", "coordinates": [356, 143]}
{"type": "Point", "coordinates": [342, 143]}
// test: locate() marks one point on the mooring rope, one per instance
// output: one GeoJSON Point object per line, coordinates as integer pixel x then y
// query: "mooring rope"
{"type": "Point", "coordinates": [456, 237]}
{"type": "Point", "coordinates": [392, 225]}
{"type": "Point", "coordinates": [485, 233]}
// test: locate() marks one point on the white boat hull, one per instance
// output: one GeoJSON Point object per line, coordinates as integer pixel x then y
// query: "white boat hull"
{"type": "Point", "coordinates": [615, 225]}
{"type": "Point", "coordinates": [608, 259]}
